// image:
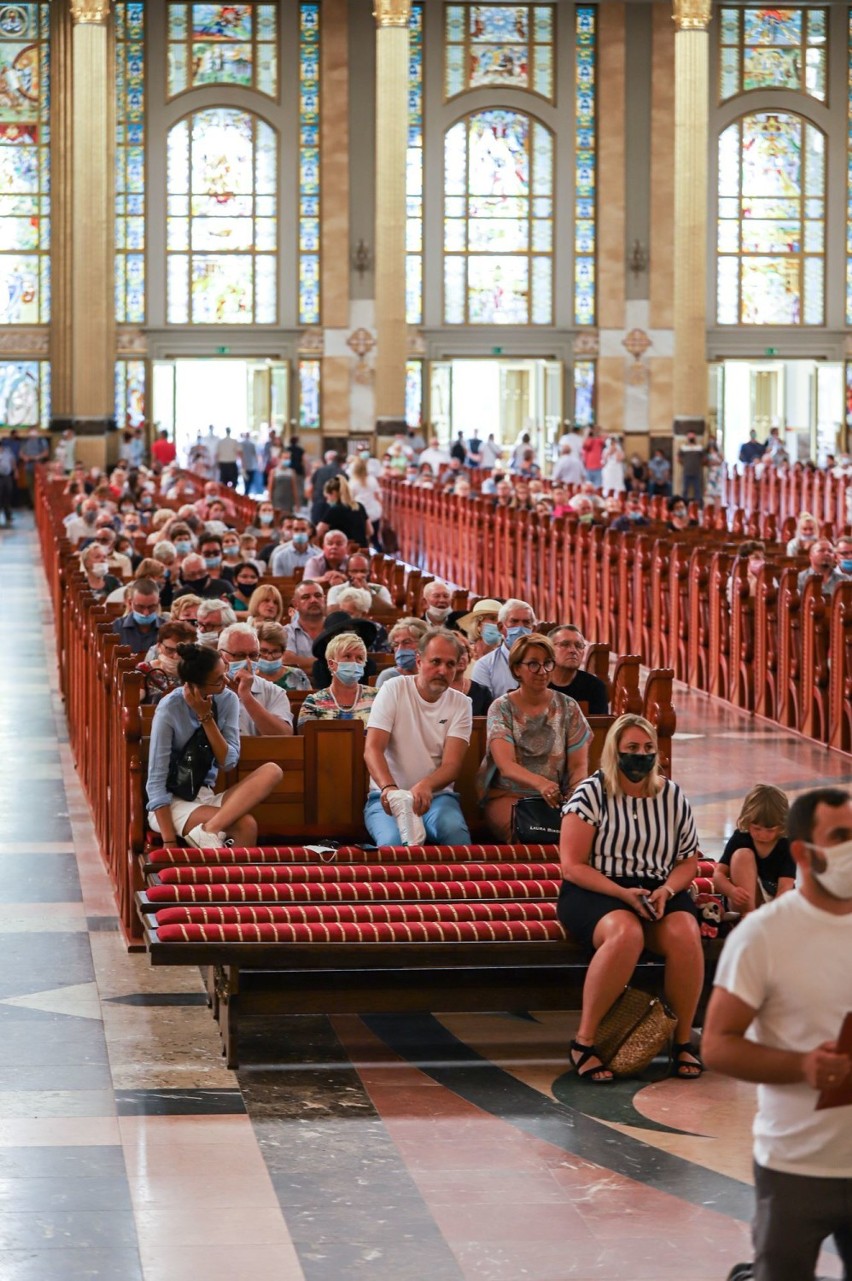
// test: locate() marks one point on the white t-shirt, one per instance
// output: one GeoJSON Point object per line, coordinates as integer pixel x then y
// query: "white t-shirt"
{"type": "Point", "coordinates": [418, 730]}
{"type": "Point", "coordinates": [270, 697]}
{"type": "Point", "coordinates": [791, 962]}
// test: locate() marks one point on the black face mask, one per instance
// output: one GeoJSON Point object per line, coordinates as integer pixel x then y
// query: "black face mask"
{"type": "Point", "coordinates": [245, 588]}
{"type": "Point", "coordinates": [636, 765]}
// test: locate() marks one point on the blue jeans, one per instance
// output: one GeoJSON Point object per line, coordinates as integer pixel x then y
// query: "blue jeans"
{"type": "Point", "coordinates": [595, 475]}
{"type": "Point", "coordinates": [444, 821]}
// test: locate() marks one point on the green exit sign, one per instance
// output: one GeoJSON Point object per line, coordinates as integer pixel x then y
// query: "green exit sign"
{"type": "Point", "coordinates": [770, 351]}
{"type": "Point", "coordinates": [223, 351]}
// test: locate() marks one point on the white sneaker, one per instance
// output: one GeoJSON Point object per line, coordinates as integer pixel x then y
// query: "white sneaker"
{"type": "Point", "coordinates": [205, 840]}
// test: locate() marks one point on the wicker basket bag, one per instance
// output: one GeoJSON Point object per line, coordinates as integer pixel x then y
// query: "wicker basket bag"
{"type": "Point", "coordinates": [634, 1031]}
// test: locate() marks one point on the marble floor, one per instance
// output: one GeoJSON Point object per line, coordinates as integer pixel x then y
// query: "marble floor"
{"type": "Point", "coordinates": [454, 1148]}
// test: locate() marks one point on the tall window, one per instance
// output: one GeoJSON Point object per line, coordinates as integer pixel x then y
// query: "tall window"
{"type": "Point", "coordinates": [503, 45]}
{"type": "Point", "coordinates": [771, 224]}
{"type": "Point", "coordinates": [222, 228]}
{"type": "Point", "coordinates": [584, 393]}
{"type": "Point", "coordinates": [772, 49]}
{"type": "Point", "coordinates": [129, 393]}
{"type": "Point", "coordinates": [585, 165]}
{"type": "Point", "coordinates": [309, 164]}
{"type": "Point", "coordinates": [233, 44]}
{"type": "Point", "coordinates": [310, 387]}
{"type": "Point", "coordinates": [498, 220]}
{"type": "Point", "coordinates": [25, 393]}
{"type": "Point", "coordinates": [414, 172]}
{"type": "Point", "coordinates": [130, 163]}
{"type": "Point", "coordinates": [24, 164]}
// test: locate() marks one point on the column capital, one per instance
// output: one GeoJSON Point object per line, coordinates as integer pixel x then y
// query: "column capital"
{"type": "Point", "coordinates": [392, 13]}
{"type": "Point", "coordinates": [691, 15]}
{"type": "Point", "coordinates": [95, 12]}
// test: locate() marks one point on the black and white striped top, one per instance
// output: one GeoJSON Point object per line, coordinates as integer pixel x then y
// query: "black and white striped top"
{"type": "Point", "coordinates": [641, 836]}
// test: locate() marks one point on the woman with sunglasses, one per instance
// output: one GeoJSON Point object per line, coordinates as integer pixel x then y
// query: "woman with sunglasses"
{"type": "Point", "coordinates": [538, 739]}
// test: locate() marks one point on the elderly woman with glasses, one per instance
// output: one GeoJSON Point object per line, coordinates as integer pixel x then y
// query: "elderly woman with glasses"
{"type": "Point", "coordinates": [538, 739]}
{"type": "Point", "coordinates": [161, 672]}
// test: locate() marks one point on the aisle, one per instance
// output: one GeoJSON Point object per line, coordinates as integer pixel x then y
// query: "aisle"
{"type": "Point", "coordinates": [455, 1148]}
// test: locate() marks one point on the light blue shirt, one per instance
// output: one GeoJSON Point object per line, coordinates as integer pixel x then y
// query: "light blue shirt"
{"type": "Point", "coordinates": [492, 670]}
{"type": "Point", "coordinates": [173, 726]}
{"type": "Point", "coordinates": [285, 559]}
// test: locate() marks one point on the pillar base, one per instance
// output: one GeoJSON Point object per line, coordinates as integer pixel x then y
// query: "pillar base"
{"type": "Point", "coordinates": [390, 426]}
{"type": "Point", "coordinates": [84, 426]}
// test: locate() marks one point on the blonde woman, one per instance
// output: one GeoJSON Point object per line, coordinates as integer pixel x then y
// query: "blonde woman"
{"type": "Point", "coordinates": [346, 698]}
{"type": "Point", "coordinates": [265, 606]}
{"type": "Point", "coordinates": [272, 640]}
{"type": "Point", "coordinates": [185, 609]}
{"type": "Point", "coordinates": [344, 513]}
{"type": "Point", "coordinates": [367, 491]}
{"type": "Point", "coordinates": [629, 852]}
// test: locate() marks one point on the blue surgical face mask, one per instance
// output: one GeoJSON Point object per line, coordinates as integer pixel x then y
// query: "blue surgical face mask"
{"type": "Point", "coordinates": [265, 518]}
{"type": "Point", "coordinates": [212, 562]}
{"type": "Point", "coordinates": [491, 634]}
{"type": "Point", "coordinates": [515, 633]}
{"type": "Point", "coordinates": [845, 566]}
{"type": "Point", "coordinates": [231, 552]}
{"type": "Point", "coordinates": [350, 673]}
{"type": "Point", "coordinates": [266, 666]}
{"type": "Point", "coordinates": [406, 659]}
{"type": "Point", "coordinates": [144, 620]}
{"type": "Point", "coordinates": [233, 668]}
{"type": "Point", "coordinates": [300, 540]}
{"type": "Point", "coordinates": [183, 547]}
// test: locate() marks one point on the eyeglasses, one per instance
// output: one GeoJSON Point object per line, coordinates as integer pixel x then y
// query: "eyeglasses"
{"type": "Point", "coordinates": [579, 646]}
{"type": "Point", "coordinates": [534, 666]}
{"type": "Point", "coordinates": [171, 651]}
{"type": "Point", "coordinates": [238, 657]}
{"type": "Point", "coordinates": [270, 653]}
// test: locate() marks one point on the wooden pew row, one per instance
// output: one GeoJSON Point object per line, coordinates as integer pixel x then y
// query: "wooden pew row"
{"type": "Point", "coordinates": [678, 600]}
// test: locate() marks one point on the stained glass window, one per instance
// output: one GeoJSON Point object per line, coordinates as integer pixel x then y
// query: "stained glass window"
{"type": "Point", "coordinates": [309, 393]}
{"type": "Point", "coordinates": [24, 393]}
{"type": "Point", "coordinates": [771, 225]}
{"type": "Point", "coordinates": [213, 44]}
{"type": "Point", "coordinates": [130, 163]}
{"type": "Point", "coordinates": [772, 49]}
{"type": "Point", "coordinates": [222, 227]}
{"type": "Point", "coordinates": [414, 393]}
{"type": "Point", "coordinates": [585, 165]}
{"type": "Point", "coordinates": [498, 220]}
{"type": "Point", "coordinates": [584, 393]}
{"type": "Point", "coordinates": [414, 172]}
{"type": "Point", "coordinates": [309, 164]}
{"type": "Point", "coordinates": [129, 393]}
{"type": "Point", "coordinates": [24, 164]}
{"type": "Point", "coordinates": [503, 45]}
{"type": "Point", "coordinates": [849, 174]}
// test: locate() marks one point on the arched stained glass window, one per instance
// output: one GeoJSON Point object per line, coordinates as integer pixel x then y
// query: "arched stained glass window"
{"type": "Point", "coordinates": [130, 163]}
{"type": "Point", "coordinates": [24, 164]}
{"type": "Point", "coordinates": [498, 220]}
{"type": "Point", "coordinates": [771, 225]}
{"type": "Point", "coordinates": [414, 172]}
{"type": "Point", "coordinates": [233, 44]}
{"type": "Point", "coordinates": [222, 230]}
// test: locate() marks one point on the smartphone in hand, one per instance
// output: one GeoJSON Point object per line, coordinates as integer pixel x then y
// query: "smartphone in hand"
{"type": "Point", "coordinates": [648, 906]}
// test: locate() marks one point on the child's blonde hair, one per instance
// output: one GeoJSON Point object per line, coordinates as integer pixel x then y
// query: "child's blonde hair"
{"type": "Point", "coordinates": [765, 806]}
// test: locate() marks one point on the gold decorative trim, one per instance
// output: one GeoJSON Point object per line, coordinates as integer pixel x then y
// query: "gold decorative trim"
{"type": "Point", "coordinates": [25, 342]}
{"type": "Point", "coordinates": [692, 15]}
{"type": "Point", "coordinates": [94, 12]}
{"type": "Point", "coordinates": [587, 343]}
{"type": "Point", "coordinates": [392, 13]}
{"type": "Point", "coordinates": [312, 343]}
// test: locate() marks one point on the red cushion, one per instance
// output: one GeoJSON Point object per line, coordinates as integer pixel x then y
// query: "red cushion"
{"type": "Point", "coordinates": [301, 873]}
{"type": "Point", "coordinates": [180, 857]}
{"type": "Point", "coordinates": [396, 932]}
{"type": "Point", "coordinates": [305, 915]}
{"type": "Point", "coordinates": [354, 892]}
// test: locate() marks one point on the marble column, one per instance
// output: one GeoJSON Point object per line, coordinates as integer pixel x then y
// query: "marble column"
{"type": "Point", "coordinates": [391, 144]}
{"type": "Point", "coordinates": [691, 19]}
{"type": "Point", "coordinates": [83, 313]}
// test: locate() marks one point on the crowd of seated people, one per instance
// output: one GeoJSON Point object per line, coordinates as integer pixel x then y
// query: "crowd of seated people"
{"type": "Point", "coordinates": [221, 649]}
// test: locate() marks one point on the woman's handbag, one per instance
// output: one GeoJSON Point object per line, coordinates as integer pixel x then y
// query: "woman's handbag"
{"type": "Point", "coordinates": [634, 1031]}
{"type": "Point", "coordinates": [190, 765]}
{"type": "Point", "coordinates": [534, 822]}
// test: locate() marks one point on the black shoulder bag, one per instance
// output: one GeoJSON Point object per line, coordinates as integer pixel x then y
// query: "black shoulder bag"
{"type": "Point", "coordinates": [190, 764]}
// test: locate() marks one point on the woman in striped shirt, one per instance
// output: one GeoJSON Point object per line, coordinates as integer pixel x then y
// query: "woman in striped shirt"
{"type": "Point", "coordinates": [629, 852]}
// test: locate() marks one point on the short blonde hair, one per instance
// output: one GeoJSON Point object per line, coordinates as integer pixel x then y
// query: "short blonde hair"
{"type": "Point", "coordinates": [609, 756]}
{"type": "Point", "coordinates": [272, 633]}
{"type": "Point", "coordinates": [416, 626]}
{"type": "Point", "coordinates": [523, 645]}
{"type": "Point", "coordinates": [182, 604]}
{"type": "Point", "coordinates": [266, 591]}
{"type": "Point", "coordinates": [343, 641]}
{"type": "Point", "coordinates": [764, 806]}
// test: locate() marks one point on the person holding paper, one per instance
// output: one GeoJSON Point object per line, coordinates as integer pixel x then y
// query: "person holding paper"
{"type": "Point", "coordinates": [783, 991]}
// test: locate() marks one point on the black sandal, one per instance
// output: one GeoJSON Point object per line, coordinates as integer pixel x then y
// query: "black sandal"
{"type": "Point", "coordinates": [591, 1074]}
{"type": "Point", "coordinates": [687, 1069]}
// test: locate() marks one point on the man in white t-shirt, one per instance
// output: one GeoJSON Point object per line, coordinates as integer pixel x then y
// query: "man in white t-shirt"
{"type": "Point", "coordinates": [783, 988]}
{"type": "Point", "coordinates": [417, 736]}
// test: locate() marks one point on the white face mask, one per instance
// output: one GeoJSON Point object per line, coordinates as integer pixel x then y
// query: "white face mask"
{"type": "Point", "coordinates": [208, 638]}
{"type": "Point", "coordinates": [837, 877]}
{"type": "Point", "coordinates": [438, 614]}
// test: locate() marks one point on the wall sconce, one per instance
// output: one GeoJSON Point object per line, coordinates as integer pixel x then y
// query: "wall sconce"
{"type": "Point", "coordinates": [637, 259]}
{"type": "Point", "coordinates": [362, 259]}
